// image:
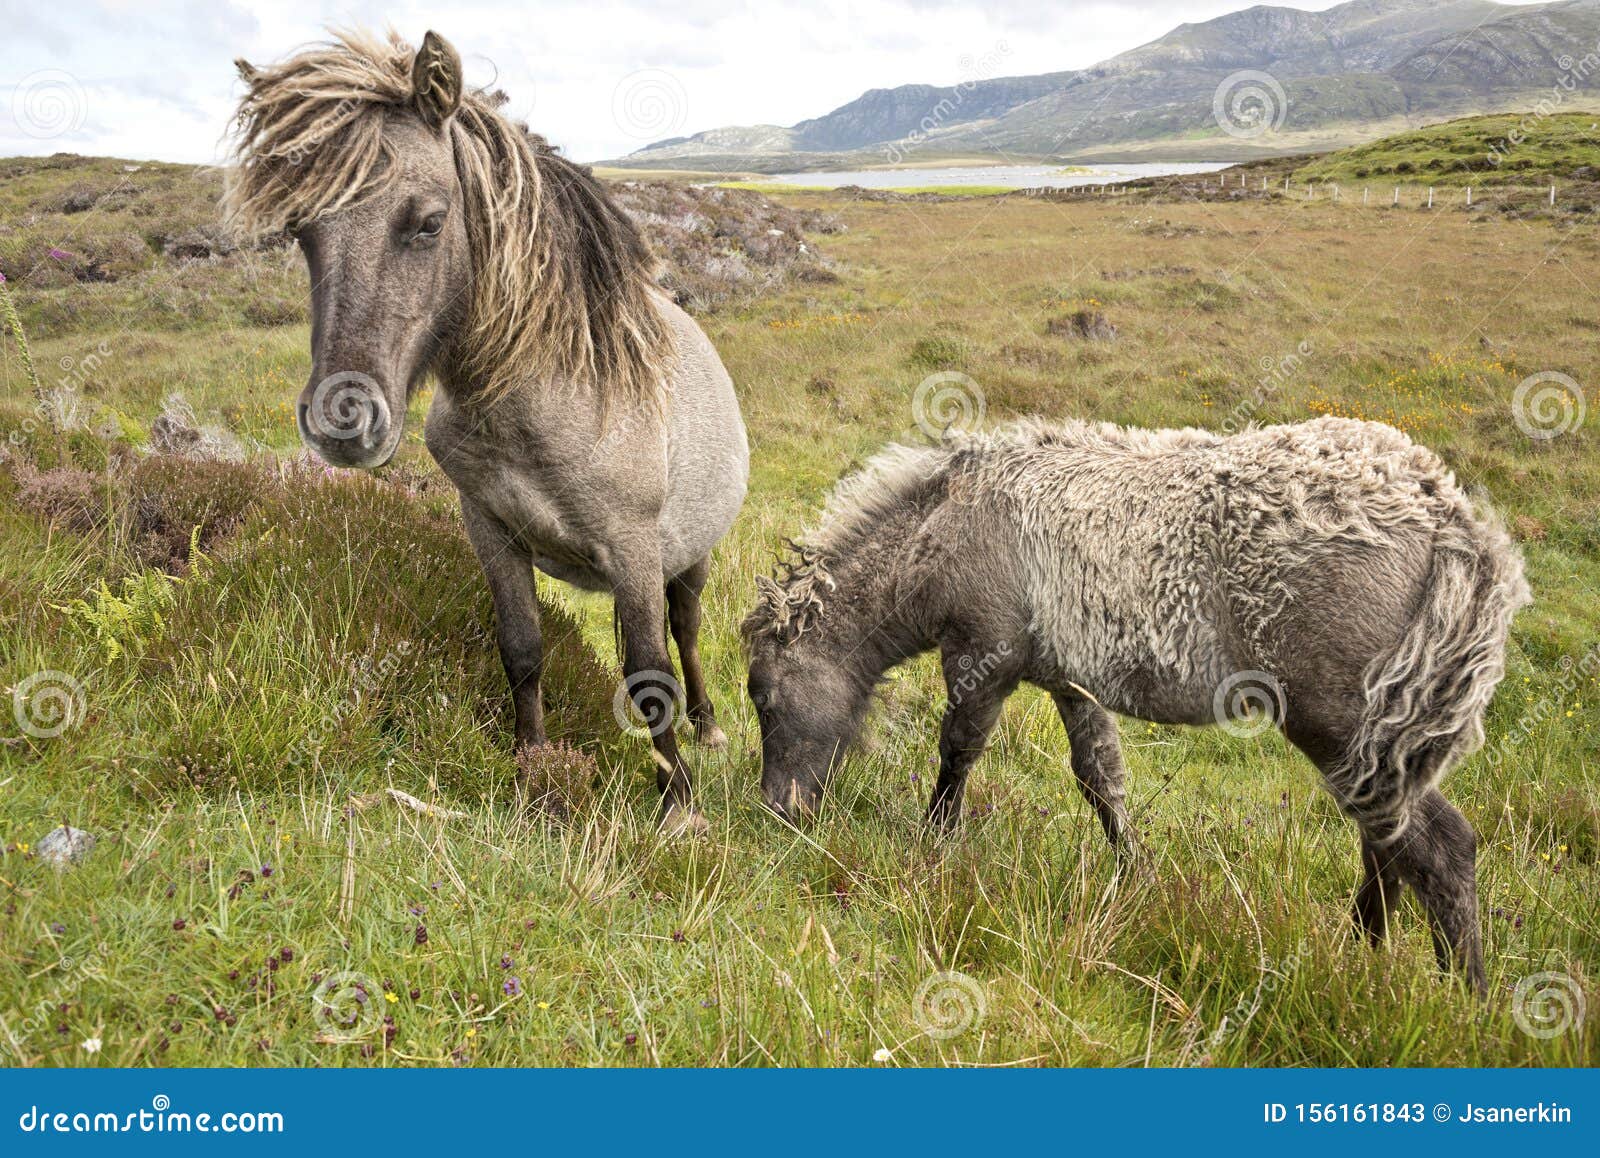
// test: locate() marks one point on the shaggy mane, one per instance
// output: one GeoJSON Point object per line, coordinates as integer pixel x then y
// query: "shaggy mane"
{"type": "Point", "coordinates": [564, 284]}
{"type": "Point", "coordinates": [791, 603]}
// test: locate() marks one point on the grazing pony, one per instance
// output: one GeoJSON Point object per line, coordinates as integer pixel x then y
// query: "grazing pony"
{"type": "Point", "coordinates": [1330, 571]}
{"type": "Point", "coordinates": [585, 420]}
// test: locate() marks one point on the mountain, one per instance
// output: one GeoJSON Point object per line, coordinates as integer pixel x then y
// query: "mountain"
{"type": "Point", "coordinates": [1260, 81]}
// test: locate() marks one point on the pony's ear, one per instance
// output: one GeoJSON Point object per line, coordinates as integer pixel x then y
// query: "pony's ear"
{"type": "Point", "coordinates": [247, 71]}
{"type": "Point", "coordinates": [436, 80]}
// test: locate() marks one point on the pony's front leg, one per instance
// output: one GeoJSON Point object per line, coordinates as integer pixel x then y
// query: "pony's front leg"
{"type": "Point", "coordinates": [976, 687]}
{"type": "Point", "coordinates": [647, 670]}
{"type": "Point", "coordinates": [509, 570]}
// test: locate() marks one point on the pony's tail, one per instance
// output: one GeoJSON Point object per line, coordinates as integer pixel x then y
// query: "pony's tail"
{"type": "Point", "coordinates": [1426, 699]}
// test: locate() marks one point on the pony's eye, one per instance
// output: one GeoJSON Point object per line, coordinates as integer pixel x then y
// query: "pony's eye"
{"type": "Point", "coordinates": [431, 226]}
{"type": "Point", "coordinates": [760, 699]}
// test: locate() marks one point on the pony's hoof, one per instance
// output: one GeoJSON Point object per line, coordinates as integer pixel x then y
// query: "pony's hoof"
{"type": "Point", "coordinates": [681, 823]}
{"type": "Point", "coordinates": [711, 737]}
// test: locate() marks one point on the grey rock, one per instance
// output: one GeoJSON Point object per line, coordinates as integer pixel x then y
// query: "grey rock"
{"type": "Point", "coordinates": [65, 845]}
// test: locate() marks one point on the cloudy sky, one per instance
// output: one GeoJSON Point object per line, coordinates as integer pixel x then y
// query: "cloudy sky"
{"type": "Point", "coordinates": [153, 79]}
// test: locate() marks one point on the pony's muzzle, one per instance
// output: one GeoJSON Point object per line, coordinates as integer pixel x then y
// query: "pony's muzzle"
{"type": "Point", "coordinates": [346, 419]}
{"type": "Point", "coordinates": [792, 802]}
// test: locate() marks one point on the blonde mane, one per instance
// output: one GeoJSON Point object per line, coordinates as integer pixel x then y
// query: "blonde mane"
{"type": "Point", "coordinates": [564, 287]}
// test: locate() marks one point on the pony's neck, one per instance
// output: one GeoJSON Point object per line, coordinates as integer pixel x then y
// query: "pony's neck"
{"type": "Point", "coordinates": [872, 611]}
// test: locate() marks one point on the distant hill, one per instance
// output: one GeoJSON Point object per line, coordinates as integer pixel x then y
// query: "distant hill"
{"type": "Point", "coordinates": [1313, 81]}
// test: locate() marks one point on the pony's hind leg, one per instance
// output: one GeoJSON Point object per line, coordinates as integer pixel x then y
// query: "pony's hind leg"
{"type": "Point", "coordinates": [683, 615]}
{"type": "Point", "coordinates": [1436, 854]}
{"type": "Point", "coordinates": [1379, 893]}
{"type": "Point", "coordinates": [1097, 763]}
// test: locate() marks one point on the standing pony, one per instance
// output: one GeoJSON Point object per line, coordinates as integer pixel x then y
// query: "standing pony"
{"type": "Point", "coordinates": [585, 420]}
{"type": "Point", "coordinates": [1331, 572]}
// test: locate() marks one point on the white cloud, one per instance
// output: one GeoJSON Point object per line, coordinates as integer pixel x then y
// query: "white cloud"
{"type": "Point", "coordinates": [155, 79]}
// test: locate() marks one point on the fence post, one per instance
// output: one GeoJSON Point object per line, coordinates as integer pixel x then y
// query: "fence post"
{"type": "Point", "coordinates": [1469, 196]}
{"type": "Point", "coordinates": [1430, 196]}
{"type": "Point", "coordinates": [1397, 194]}
{"type": "Point", "coordinates": [1552, 194]}
{"type": "Point", "coordinates": [1363, 194]}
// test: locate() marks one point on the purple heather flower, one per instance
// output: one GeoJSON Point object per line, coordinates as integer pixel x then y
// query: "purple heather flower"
{"type": "Point", "coordinates": [59, 254]}
{"type": "Point", "coordinates": [57, 928]}
{"type": "Point", "coordinates": [506, 962]}
{"type": "Point", "coordinates": [512, 987]}
{"type": "Point", "coordinates": [266, 870]}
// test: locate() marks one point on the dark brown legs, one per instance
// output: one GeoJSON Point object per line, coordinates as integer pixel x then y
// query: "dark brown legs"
{"type": "Point", "coordinates": [683, 616]}
{"type": "Point", "coordinates": [509, 570]}
{"type": "Point", "coordinates": [1097, 763]}
{"type": "Point", "coordinates": [1436, 854]}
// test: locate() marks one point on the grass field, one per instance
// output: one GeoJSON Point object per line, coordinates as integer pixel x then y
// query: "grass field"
{"type": "Point", "coordinates": [239, 697]}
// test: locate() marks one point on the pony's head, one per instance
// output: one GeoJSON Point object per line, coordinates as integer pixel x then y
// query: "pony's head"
{"type": "Point", "coordinates": [439, 236]}
{"type": "Point", "coordinates": [810, 698]}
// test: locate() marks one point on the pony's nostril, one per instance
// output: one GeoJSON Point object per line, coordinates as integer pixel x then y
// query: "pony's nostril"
{"type": "Point", "coordinates": [373, 429]}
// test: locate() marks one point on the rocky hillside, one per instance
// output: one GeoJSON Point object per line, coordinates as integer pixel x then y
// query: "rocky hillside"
{"type": "Point", "coordinates": [87, 234]}
{"type": "Point", "coordinates": [1356, 72]}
